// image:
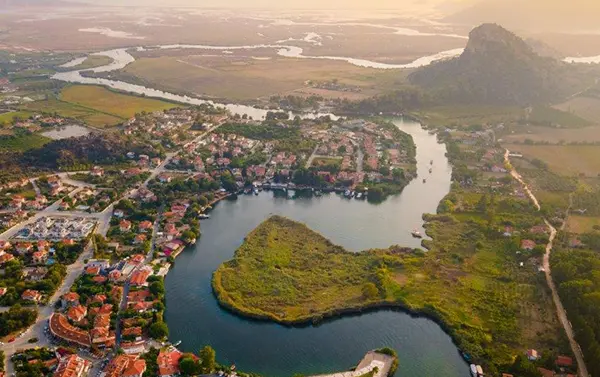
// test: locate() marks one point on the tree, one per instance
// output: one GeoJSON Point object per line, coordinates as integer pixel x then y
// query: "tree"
{"type": "Point", "coordinates": [207, 359]}
{"type": "Point", "coordinates": [370, 291]}
{"type": "Point", "coordinates": [157, 288]}
{"type": "Point", "coordinates": [159, 330]}
{"type": "Point", "coordinates": [188, 366]}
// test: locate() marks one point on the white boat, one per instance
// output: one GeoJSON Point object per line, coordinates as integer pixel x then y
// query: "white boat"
{"type": "Point", "coordinates": [176, 344]}
{"type": "Point", "coordinates": [415, 233]}
{"type": "Point", "coordinates": [473, 370]}
{"type": "Point", "coordinates": [203, 216]}
{"type": "Point", "coordinates": [359, 195]}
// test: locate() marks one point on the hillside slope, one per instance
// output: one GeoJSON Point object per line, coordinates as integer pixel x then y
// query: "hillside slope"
{"type": "Point", "coordinates": [497, 67]}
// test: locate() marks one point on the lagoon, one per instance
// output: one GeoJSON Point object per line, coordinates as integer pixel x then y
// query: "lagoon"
{"type": "Point", "coordinates": [195, 318]}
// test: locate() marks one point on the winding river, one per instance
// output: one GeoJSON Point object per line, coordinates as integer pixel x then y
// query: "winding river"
{"type": "Point", "coordinates": [195, 318]}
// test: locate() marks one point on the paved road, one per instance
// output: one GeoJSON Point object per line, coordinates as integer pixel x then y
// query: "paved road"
{"type": "Point", "coordinates": [560, 310]}
{"type": "Point", "coordinates": [75, 269]}
{"type": "Point", "coordinates": [44, 312]}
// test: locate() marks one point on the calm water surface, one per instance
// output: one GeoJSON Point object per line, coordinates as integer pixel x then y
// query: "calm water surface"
{"type": "Point", "coordinates": [195, 318]}
{"type": "Point", "coordinates": [67, 132]}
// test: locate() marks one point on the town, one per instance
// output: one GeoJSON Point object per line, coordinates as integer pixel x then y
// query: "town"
{"type": "Point", "coordinates": [90, 248]}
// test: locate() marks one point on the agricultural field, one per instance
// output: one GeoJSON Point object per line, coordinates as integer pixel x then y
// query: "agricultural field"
{"type": "Point", "coordinates": [464, 116]}
{"type": "Point", "coordinates": [548, 116]}
{"type": "Point", "coordinates": [9, 117]}
{"type": "Point", "coordinates": [585, 107]}
{"type": "Point", "coordinates": [70, 110]}
{"type": "Point", "coordinates": [568, 160]}
{"type": "Point", "coordinates": [101, 100]}
{"type": "Point", "coordinates": [554, 135]}
{"type": "Point", "coordinates": [248, 79]}
{"type": "Point", "coordinates": [582, 224]}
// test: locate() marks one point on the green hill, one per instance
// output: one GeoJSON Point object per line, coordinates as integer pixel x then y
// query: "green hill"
{"type": "Point", "coordinates": [498, 68]}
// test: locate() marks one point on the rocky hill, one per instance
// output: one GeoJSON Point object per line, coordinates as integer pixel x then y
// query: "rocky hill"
{"type": "Point", "coordinates": [497, 67]}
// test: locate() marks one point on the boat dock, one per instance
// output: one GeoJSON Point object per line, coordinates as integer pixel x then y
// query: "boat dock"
{"type": "Point", "coordinates": [372, 360]}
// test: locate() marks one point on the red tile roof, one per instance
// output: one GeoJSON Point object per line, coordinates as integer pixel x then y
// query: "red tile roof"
{"type": "Point", "coordinates": [564, 361]}
{"type": "Point", "coordinates": [77, 313]}
{"type": "Point", "coordinates": [72, 366]}
{"type": "Point", "coordinates": [60, 327]}
{"type": "Point", "coordinates": [168, 362]}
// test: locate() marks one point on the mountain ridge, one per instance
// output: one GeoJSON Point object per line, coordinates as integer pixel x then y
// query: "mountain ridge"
{"type": "Point", "coordinates": [496, 67]}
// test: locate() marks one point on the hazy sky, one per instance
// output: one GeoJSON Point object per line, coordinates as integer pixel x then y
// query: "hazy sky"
{"type": "Point", "coordinates": [343, 4]}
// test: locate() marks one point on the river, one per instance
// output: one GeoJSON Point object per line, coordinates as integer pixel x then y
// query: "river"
{"type": "Point", "coordinates": [195, 318]}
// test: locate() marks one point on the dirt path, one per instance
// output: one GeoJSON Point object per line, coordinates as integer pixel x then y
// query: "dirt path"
{"type": "Point", "coordinates": [560, 310]}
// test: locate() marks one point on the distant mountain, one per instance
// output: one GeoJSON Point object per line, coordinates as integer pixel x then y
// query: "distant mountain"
{"type": "Point", "coordinates": [497, 67]}
{"type": "Point", "coordinates": [532, 15]}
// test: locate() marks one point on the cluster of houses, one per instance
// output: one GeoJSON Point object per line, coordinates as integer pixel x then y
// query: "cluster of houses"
{"type": "Point", "coordinates": [57, 228]}
{"type": "Point", "coordinates": [88, 323]}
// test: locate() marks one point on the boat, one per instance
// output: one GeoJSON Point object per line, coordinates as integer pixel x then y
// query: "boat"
{"type": "Point", "coordinates": [255, 191]}
{"type": "Point", "coordinates": [430, 170]}
{"type": "Point", "coordinates": [359, 195]}
{"type": "Point", "coordinates": [347, 193]}
{"type": "Point", "coordinates": [431, 162]}
{"type": "Point", "coordinates": [415, 233]}
{"type": "Point", "coordinates": [247, 190]}
{"type": "Point", "coordinates": [424, 180]}
{"type": "Point", "coordinates": [473, 368]}
{"type": "Point", "coordinates": [176, 344]}
{"type": "Point", "coordinates": [318, 193]}
{"type": "Point", "coordinates": [203, 216]}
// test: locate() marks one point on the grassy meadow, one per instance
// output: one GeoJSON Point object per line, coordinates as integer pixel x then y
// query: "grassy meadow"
{"type": "Point", "coordinates": [248, 79]}
{"type": "Point", "coordinates": [462, 116]}
{"type": "Point", "coordinates": [22, 143]}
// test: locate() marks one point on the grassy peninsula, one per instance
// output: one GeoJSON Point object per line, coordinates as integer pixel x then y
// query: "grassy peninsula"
{"type": "Point", "coordinates": [469, 281]}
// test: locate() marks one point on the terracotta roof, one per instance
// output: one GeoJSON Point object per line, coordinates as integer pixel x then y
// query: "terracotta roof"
{"type": "Point", "coordinates": [77, 313]}
{"type": "Point", "coordinates": [31, 295]}
{"type": "Point", "coordinates": [564, 361]}
{"type": "Point", "coordinates": [99, 279]}
{"type": "Point", "coordinates": [72, 366]}
{"type": "Point", "coordinates": [71, 296]}
{"type": "Point", "coordinates": [168, 362]}
{"type": "Point", "coordinates": [135, 368]}
{"type": "Point", "coordinates": [60, 327]}
{"type": "Point", "coordinates": [137, 331]}
{"type": "Point", "coordinates": [139, 277]}
{"type": "Point", "coordinates": [121, 364]}
{"type": "Point", "coordinates": [527, 244]}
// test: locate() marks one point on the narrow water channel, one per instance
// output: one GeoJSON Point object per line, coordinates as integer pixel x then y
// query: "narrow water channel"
{"type": "Point", "coordinates": [195, 318]}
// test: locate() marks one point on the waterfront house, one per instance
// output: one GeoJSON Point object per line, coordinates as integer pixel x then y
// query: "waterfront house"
{"type": "Point", "coordinates": [168, 362]}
